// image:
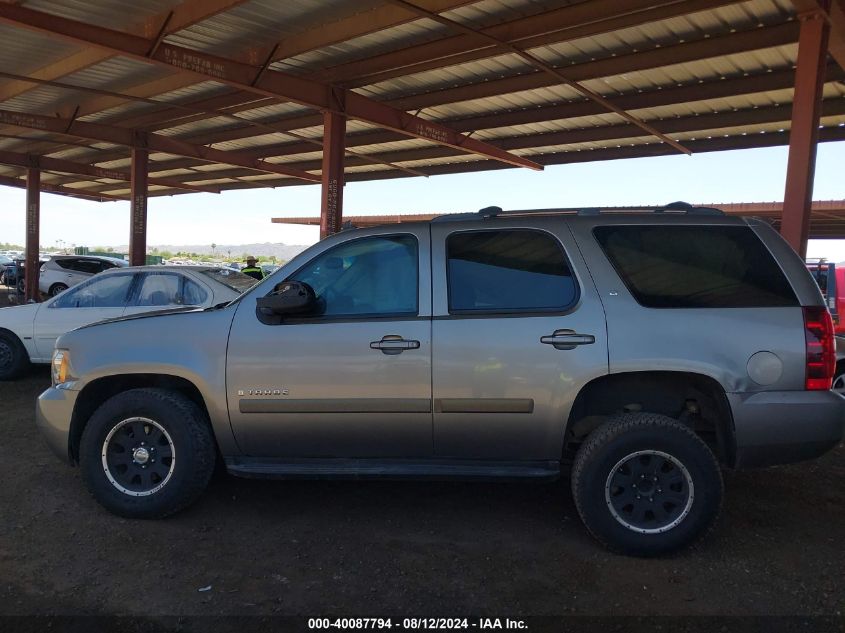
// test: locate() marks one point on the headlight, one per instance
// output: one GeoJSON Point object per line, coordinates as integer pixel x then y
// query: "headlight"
{"type": "Point", "coordinates": [60, 366]}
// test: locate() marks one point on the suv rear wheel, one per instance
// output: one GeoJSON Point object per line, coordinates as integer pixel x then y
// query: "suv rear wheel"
{"type": "Point", "coordinates": [645, 484]}
{"type": "Point", "coordinates": [147, 453]}
{"type": "Point", "coordinates": [56, 289]}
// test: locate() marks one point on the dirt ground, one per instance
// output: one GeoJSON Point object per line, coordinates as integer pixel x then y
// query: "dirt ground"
{"type": "Point", "coordinates": [342, 548]}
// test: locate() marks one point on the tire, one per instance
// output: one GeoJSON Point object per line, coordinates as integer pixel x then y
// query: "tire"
{"type": "Point", "coordinates": [56, 289]}
{"type": "Point", "coordinates": [14, 359]}
{"type": "Point", "coordinates": [839, 380]}
{"type": "Point", "coordinates": [622, 504]}
{"type": "Point", "coordinates": [160, 476]}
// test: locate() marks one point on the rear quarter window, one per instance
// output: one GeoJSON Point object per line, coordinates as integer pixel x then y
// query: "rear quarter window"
{"type": "Point", "coordinates": [695, 266]}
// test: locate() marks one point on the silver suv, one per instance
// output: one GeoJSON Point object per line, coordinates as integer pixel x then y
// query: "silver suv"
{"type": "Point", "coordinates": [638, 353]}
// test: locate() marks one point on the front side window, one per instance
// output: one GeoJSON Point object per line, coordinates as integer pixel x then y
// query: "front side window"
{"type": "Point", "coordinates": [109, 291]}
{"type": "Point", "coordinates": [695, 266]}
{"type": "Point", "coordinates": [375, 276]}
{"type": "Point", "coordinates": [508, 271]}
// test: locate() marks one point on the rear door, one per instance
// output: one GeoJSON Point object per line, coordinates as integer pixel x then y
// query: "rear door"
{"type": "Point", "coordinates": [517, 331]}
{"type": "Point", "coordinates": [165, 290]}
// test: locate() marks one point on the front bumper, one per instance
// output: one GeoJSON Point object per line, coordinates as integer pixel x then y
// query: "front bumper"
{"type": "Point", "coordinates": [780, 427]}
{"type": "Point", "coordinates": [53, 413]}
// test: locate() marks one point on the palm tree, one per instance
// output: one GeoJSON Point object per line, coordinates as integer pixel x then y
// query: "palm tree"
{"type": "Point", "coordinates": [213, 246]}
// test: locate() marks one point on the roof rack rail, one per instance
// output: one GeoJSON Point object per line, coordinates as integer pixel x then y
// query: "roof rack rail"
{"type": "Point", "coordinates": [494, 212]}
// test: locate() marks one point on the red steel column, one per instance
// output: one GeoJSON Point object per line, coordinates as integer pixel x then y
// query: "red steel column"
{"type": "Point", "coordinates": [33, 220]}
{"type": "Point", "coordinates": [334, 148]}
{"type": "Point", "coordinates": [804, 134]}
{"type": "Point", "coordinates": [138, 214]}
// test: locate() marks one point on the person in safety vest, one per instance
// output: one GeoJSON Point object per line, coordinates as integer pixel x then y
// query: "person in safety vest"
{"type": "Point", "coordinates": [252, 270]}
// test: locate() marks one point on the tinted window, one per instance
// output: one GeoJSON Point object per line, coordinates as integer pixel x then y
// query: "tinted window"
{"type": "Point", "coordinates": [91, 266]}
{"type": "Point", "coordinates": [68, 264]}
{"type": "Point", "coordinates": [516, 270]}
{"type": "Point", "coordinates": [695, 266]}
{"type": "Point", "coordinates": [372, 275]}
{"type": "Point", "coordinates": [111, 291]}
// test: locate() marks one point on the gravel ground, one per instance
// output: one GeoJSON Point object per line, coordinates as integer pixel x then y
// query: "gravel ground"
{"type": "Point", "coordinates": [311, 548]}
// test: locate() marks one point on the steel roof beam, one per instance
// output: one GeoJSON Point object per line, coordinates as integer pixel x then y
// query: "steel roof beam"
{"type": "Point", "coordinates": [271, 83]}
{"type": "Point", "coordinates": [154, 142]}
{"type": "Point", "coordinates": [68, 167]}
{"type": "Point", "coordinates": [834, 13]}
{"type": "Point", "coordinates": [579, 20]}
{"type": "Point", "coordinates": [538, 63]}
{"type": "Point", "coordinates": [700, 123]}
{"type": "Point", "coordinates": [584, 19]}
{"type": "Point", "coordinates": [182, 16]}
{"type": "Point", "coordinates": [739, 42]}
{"type": "Point", "coordinates": [267, 129]}
{"type": "Point", "coordinates": [17, 183]}
{"type": "Point", "coordinates": [576, 21]}
{"type": "Point", "coordinates": [614, 153]}
{"type": "Point", "coordinates": [361, 23]}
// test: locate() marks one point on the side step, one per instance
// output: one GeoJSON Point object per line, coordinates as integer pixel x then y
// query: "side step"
{"type": "Point", "coordinates": [338, 468]}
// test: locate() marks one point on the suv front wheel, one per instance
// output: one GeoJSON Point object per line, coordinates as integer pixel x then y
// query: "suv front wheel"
{"type": "Point", "coordinates": [147, 453]}
{"type": "Point", "coordinates": [645, 484]}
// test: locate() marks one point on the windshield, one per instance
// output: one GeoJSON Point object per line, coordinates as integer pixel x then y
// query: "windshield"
{"type": "Point", "coordinates": [233, 279]}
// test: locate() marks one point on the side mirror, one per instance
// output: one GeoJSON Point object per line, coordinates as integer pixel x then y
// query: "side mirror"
{"type": "Point", "coordinates": [288, 298]}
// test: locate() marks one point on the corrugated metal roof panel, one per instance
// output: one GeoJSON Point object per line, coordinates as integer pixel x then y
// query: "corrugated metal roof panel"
{"type": "Point", "coordinates": [249, 31]}
{"type": "Point", "coordinates": [112, 14]}
{"type": "Point", "coordinates": [23, 52]}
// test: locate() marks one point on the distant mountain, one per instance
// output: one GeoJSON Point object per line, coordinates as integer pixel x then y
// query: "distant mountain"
{"type": "Point", "coordinates": [280, 251]}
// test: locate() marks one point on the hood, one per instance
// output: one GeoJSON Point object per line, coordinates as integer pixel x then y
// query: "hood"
{"type": "Point", "coordinates": [145, 315]}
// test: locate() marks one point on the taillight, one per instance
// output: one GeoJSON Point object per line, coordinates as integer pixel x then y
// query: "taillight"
{"type": "Point", "coordinates": [821, 348]}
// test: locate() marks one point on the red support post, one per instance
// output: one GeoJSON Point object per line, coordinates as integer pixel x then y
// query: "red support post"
{"type": "Point", "coordinates": [33, 220]}
{"type": "Point", "coordinates": [138, 213]}
{"type": "Point", "coordinates": [334, 146]}
{"type": "Point", "coordinates": [804, 133]}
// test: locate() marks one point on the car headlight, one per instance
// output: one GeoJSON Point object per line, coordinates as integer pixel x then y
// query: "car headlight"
{"type": "Point", "coordinates": [60, 367]}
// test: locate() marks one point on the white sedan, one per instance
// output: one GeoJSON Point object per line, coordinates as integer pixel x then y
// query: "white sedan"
{"type": "Point", "coordinates": [28, 333]}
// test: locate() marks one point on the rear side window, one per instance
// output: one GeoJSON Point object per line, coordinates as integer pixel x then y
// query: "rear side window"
{"type": "Point", "coordinates": [696, 266]}
{"type": "Point", "coordinates": [68, 264]}
{"type": "Point", "coordinates": [508, 271]}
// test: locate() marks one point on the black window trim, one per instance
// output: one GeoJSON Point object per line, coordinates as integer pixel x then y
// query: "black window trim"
{"type": "Point", "coordinates": [346, 318]}
{"type": "Point", "coordinates": [623, 278]}
{"type": "Point", "coordinates": [556, 311]}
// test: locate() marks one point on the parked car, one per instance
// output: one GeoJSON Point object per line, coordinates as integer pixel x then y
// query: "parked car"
{"type": "Point", "coordinates": [28, 332]}
{"type": "Point", "coordinates": [634, 352]}
{"type": "Point", "coordinates": [63, 271]}
{"type": "Point", "coordinates": [14, 274]}
{"type": "Point", "coordinates": [8, 276]}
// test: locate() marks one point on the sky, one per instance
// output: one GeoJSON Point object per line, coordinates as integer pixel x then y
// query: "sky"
{"type": "Point", "coordinates": [243, 217]}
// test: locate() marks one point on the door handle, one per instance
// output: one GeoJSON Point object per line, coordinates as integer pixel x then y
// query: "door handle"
{"type": "Point", "coordinates": [393, 344]}
{"type": "Point", "coordinates": [567, 339]}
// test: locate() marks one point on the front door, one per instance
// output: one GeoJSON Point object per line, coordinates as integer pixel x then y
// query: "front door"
{"type": "Point", "coordinates": [352, 379]}
{"type": "Point", "coordinates": [517, 331]}
{"type": "Point", "coordinates": [99, 298]}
